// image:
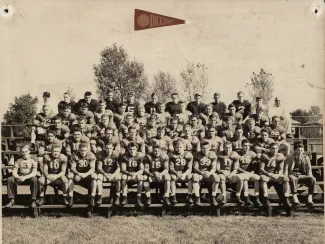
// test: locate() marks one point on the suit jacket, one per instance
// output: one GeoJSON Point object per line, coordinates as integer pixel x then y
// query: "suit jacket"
{"type": "Point", "coordinates": [292, 159]}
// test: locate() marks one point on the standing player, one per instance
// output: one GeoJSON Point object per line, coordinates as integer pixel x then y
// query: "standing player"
{"type": "Point", "coordinates": [197, 106]}
{"type": "Point", "coordinates": [272, 172]}
{"type": "Point", "coordinates": [180, 168]}
{"type": "Point", "coordinates": [24, 172]}
{"type": "Point", "coordinates": [108, 169]}
{"type": "Point", "coordinates": [173, 107]}
{"type": "Point", "coordinates": [82, 171]}
{"type": "Point", "coordinates": [156, 170]}
{"type": "Point", "coordinates": [218, 106]}
{"type": "Point", "coordinates": [151, 107]}
{"type": "Point", "coordinates": [132, 172]}
{"type": "Point", "coordinates": [110, 104]}
{"type": "Point", "coordinates": [131, 104]}
{"type": "Point", "coordinates": [242, 106]}
{"type": "Point", "coordinates": [204, 170]}
{"type": "Point", "coordinates": [249, 168]}
{"type": "Point", "coordinates": [54, 169]}
{"type": "Point", "coordinates": [92, 104]}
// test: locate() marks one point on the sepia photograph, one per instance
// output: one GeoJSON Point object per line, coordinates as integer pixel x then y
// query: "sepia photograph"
{"type": "Point", "coordinates": [162, 121]}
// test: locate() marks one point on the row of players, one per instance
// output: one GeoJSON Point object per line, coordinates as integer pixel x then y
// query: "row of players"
{"type": "Point", "coordinates": [84, 167]}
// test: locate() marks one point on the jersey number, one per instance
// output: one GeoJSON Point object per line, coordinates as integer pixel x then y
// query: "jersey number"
{"type": "Point", "coordinates": [156, 164]}
{"type": "Point", "coordinates": [206, 162]}
{"type": "Point", "coordinates": [54, 165]}
{"type": "Point", "coordinates": [83, 163]}
{"type": "Point", "coordinates": [108, 162]}
{"type": "Point", "coordinates": [180, 162]}
{"type": "Point", "coordinates": [133, 164]}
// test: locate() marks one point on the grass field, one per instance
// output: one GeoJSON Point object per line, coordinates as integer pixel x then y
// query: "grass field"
{"type": "Point", "coordinates": [304, 228]}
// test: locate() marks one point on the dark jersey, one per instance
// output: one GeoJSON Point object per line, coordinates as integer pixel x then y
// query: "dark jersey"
{"type": "Point", "coordinates": [272, 163]}
{"type": "Point", "coordinates": [109, 163]}
{"type": "Point", "coordinates": [174, 133]}
{"type": "Point", "coordinates": [276, 132]}
{"type": "Point", "coordinates": [243, 107]}
{"type": "Point", "coordinates": [55, 164]}
{"type": "Point", "coordinates": [60, 132]}
{"type": "Point", "coordinates": [83, 164]}
{"type": "Point", "coordinates": [165, 143]}
{"type": "Point", "coordinates": [204, 163]}
{"type": "Point", "coordinates": [220, 108]}
{"type": "Point", "coordinates": [264, 144]}
{"type": "Point", "coordinates": [180, 162]}
{"type": "Point", "coordinates": [132, 163]}
{"type": "Point", "coordinates": [247, 161]}
{"type": "Point", "coordinates": [157, 164]}
{"type": "Point", "coordinates": [228, 162]}
{"type": "Point", "coordinates": [173, 108]}
{"type": "Point", "coordinates": [252, 134]}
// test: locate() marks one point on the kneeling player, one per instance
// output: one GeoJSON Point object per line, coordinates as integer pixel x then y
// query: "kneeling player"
{"type": "Point", "coordinates": [156, 170]}
{"type": "Point", "coordinates": [180, 168]}
{"type": "Point", "coordinates": [227, 167]}
{"type": "Point", "coordinates": [132, 171]}
{"type": "Point", "coordinates": [248, 167]}
{"type": "Point", "coordinates": [272, 172]}
{"type": "Point", "coordinates": [54, 169]}
{"type": "Point", "coordinates": [108, 171]}
{"type": "Point", "coordinates": [83, 172]}
{"type": "Point", "coordinates": [204, 170]}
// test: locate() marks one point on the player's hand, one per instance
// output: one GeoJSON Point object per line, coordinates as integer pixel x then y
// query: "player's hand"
{"type": "Point", "coordinates": [50, 177]}
{"type": "Point", "coordinates": [183, 176]}
{"type": "Point", "coordinates": [271, 174]}
{"type": "Point", "coordinates": [132, 174]}
{"type": "Point", "coordinates": [179, 176]}
{"type": "Point", "coordinates": [20, 179]}
{"type": "Point", "coordinates": [81, 175]}
{"type": "Point", "coordinates": [109, 177]}
{"type": "Point", "coordinates": [207, 174]}
{"type": "Point", "coordinates": [157, 176]}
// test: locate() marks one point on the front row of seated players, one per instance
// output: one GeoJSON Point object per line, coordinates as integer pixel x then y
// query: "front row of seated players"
{"type": "Point", "coordinates": [263, 169]}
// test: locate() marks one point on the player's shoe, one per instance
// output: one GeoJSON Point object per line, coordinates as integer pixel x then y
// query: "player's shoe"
{"type": "Point", "coordinates": [124, 200]}
{"type": "Point", "coordinates": [189, 199]}
{"type": "Point", "coordinates": [66, 200]}
{"type": "Point", "coordinates": [258, 202]}
{"type": "Point", "coordinates": [70, 201]}
{"type": "Point", "coordinates": [117, 201]}
{"type": "Point", "coordinates": [197, 201]}
{"type": "Point", "coordinates": [213, 201]}
{"type": "Point", "coordinates": [287, 202]}
{"type": "Point", "coordinates": [33, 204]}
{"type": "Point", "coordinates": [10, 203]}
{"type": "Point", "coordinates": [40, 201]}
{"type": "Point", "coordinates": [239, 201]}
{"type": "Point", "coordinates": [223, 200]}
{"type": "Point", "coordinates": [99, 200]}
{"type": "Point", "coordinates": [248, 201]}
{"type": "Point", "coordinates": [148, 201]}
{"type": "Point", "coordinates": [267, 202]}
{"type": "Point", "coordinates": [166, 200]}
{"type": "Point", "coordinates": [139, 202]}
{"type": "Point", "coordinates": [296, 204]}
{"type": "Point", "coordinates": [173, 200]}
{"type": "Point", "coordinates": [310, 203]}
{"type": "Point", "coordinates": [92, 201]}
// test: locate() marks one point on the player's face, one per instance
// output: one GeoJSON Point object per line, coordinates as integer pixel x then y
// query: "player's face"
{"type": "Point", "coordinates": [77, 135]}
{"type": "Point", "coordinates": [300, 151]}
{"type": "Point", "coordinates": [141, 111]}
{"type": "Point", "coordinates": [274, 149]}
{"type": "Point", "coordinates": [133, 151]}
{"type": "Point", "coordinates": [122, 109]}
{"type": "Point", "coordinates": [216, 97]}
{"type": "Point", "coordinates": [183, 106]}
{"type": "Point", "coordinates": [174, 98]}
{"type": "Point", "coordinates": [276, 121]}
{"type": "Point", "coordinates": [129, 119]}
{"type": "Point", "coordinates": [83, 151]}
{"type": "Point", "coordinates": [56, 152]}
{"type": "Point", "coordinates": [109, 149]}
{"type": "Point", "coordinates": [180, 147]}
{"type": "Point", "coordinates": [174, 123]}
{"type": "Point", "coordinates": [84, 110]}
{"type": "Point", "coordinates": [212, 132]}
{"type": "Point", "coordinates": [161, 133]}
{"type": "Point", "coordinates": [131, 99]}
{"type": "Point", "coordinates": [228, 148]}
{"type": "Point", "coordinates": [154, 99]}
{"type": "Point", "coordinates": [25, 152]}
{"type": "Point", "coordinates": [151, 122]}
{"type": "Point", "coordinates": [198, 99]}
{"type": "Point", "coordinates": [246, 147]}
{"type": "Point", "coordinates": [156, 151]}
{"type": "Point", "coordinates": [41, 150]}
{"type": "Point", "coordinates": [82, 124]}
{"type": "Point", "coordinates": [213, 121]}
{"type": "Point", "coordinates": [161, 108]}
{"type": "Point", "coordinates": [105, 120]}
{"type": "Point", "coordinates": [239, 133]}
{"type": "Point", "coordinates": [109, 134]}
{"type": "Point", "coordinates": [230, 122]}
{"type": "Point", "coordinates": [232, 110]}
{"type": "Point", "coordinates": [66, 112]}
{"type": "Point", "coordinates": [88, 99]}
{"type": "Point", "coordinates": [66, 98]}
{"type": "Point", "coordinates": [50, 137]}
{"type": "Point", "coordinates": [264, 136]}
{"type": "Point", "coordinates": [251, 124]}
{"type": "Point", "coordinates": [205, 149]}
{"type": "Point", "coordinates": [194, 121]}
{"type": "Point", "coordinates": [240, 96]}
{"type": "Point", "coordinates": [93, 143]}
{"type": "Point", "coordinates": [209, 110]}
{"type": "Point", "coordinates": [110, 96]}
{"type": "Point", "coordinates": [133, 133]}
{"type": "Point", "coordinates": [103, 106]}
{"type": "Point", "coordinates": [188, 131]}
{"type": "Point", "coordinates": [57, 123]}
{"type": "Point", "coordinates": [46, 110]}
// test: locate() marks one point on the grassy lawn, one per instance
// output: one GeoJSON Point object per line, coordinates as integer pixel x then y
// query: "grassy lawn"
{"type": "Point", "coordinates": [304, 228]}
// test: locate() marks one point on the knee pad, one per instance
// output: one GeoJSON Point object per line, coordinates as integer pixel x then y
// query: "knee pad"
{"type": "Point", "coordinates": [94, 176]}
{"type": "Point", "coordinates": [215, 178]}
{"type": "Point", "coordinates": [264, 178]}
{"type": "Point", "coordinates": [77, 178]}
{"type": "Point", "coordinates": [189, 177]}
{"type": "Point", "coordinates": [41, 180]}
{"type": "Point", "coordinates": [196, 177]}
{"type": "Point", "coordinates": [145, 178]}
{"type": "Point", "coordinates": [222, 177]}
{"type": "Point", "coordinates": [100, 177]}
{"type": "Point", "coordinates": [173, 177]}
{"type": "Point", "coordinates": [118, 177]}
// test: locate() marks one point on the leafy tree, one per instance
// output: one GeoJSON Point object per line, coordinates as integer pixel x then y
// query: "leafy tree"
{"type": "Point", "coordinates": [261, 85]}
{"type": "Point", "coordinates": [72, 94]}
{"type": "Point", "coordinates": [314, 110]}
{"type": "Point", "coordinates": [300, 115]}
{"type": "Point", "coordinates": [194, 79]}
{"type": "Point", "coordinates": [164, 84]}
{"type": "Point", "coordinates": [115, 71]}
{"type": "Point", "coordinates": [21, 112]}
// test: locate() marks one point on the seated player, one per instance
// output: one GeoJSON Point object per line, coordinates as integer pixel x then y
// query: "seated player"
{"type": "Point", "coordinates": [156, 169]}
{"type": "Point", "coordinates": [86, 129]}
{"type": "Point", "coordinates": [162, 115]}
{"type": "Point", "coordinates": [299, 171]}
{"type": "Point", "coordinates": [278, 134]}
{"type": "Point", "coordinates": [119, 116]}
{"type": "Point", "coordinates": [99, 129]}
{"type": "Point", "coordinates": [228, 127]}
{"type": "Point", "coordinates": [67, 117]}
{"type": "Point", "coordinates": [24, 172]}
{"type": "Point", "coordinates": [109, 138]}
{"type": "Point", "coordinates": [197, 128]}
{"type": "Point", "coordinates": [192, 143]}
{"type": "Point", "coordinates": [163, 141]}
{"type": "Point", "coordinates": [101, 111]}
{"type": "Point", "coordinates": [184, 115]}
{"type": "Point", "coordinates": [54, 168]}
{"type": "Point", "coordinates": [238, 138]}
{"type": "Point", "coordinates": [204, 170]}
{"type": "Point", "coordinates": [261, 120]}
{"type": "Point", "coordinates": [227, 167]}
{"type": "Point", "coordinates": [232, 112]}
{"type": "Point", "coordinates": [82, 172]}
{"type": "Point", "coordinates": [132, 172]}
{"type": "Point", "coordinates": [251, 131]}
{"type": "Point", "coordinates": [208, 112]}
{"type": "Point", "coordinates": [180, 169]}
{"type": "Point", "coordinates": [150, 126]}
{"type": "Point", "coordinates": [263, 143]}
{"type": "Point", "coordinates": [94, 147]}
{"type": "Point", "coordinates": [61, 131]}
{"type": "Point", "coordinates": [73, 142]}
{"type": "Point", "coordinates": [51, 140]}
{"type": "Point", "coordinates": [133, 137]}
{"type": "Point", "coordinates": [128, 123]}
{"type": "Point", "coordinates": [174, 130]}
{"type": "Point", "coordinates": [272, 173]}
{"type": "Point", "coordinates": [84, 112]}
{"type": "Point", "coordinates": [141, 118]}
{"type": "Point", "coordinates": [249, 167]}
{"type": "Point", "coordinates": [108, 169]}
{"type": "Point", "coordinates": [214, 121]}
{"type": "Point", "coordinates": [216, 143]}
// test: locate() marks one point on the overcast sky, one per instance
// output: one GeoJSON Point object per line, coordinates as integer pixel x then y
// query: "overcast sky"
{"type": "Point", "coordinates": [50, 45]}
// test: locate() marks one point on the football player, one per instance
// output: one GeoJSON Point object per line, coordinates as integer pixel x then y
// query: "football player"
{"type": "Point", "coordinates": [218, 106]}
{"type": "Point", "coordinates": [150, 126]}
{"type": "Point", "coordinates": [51, 140]}
{"type": "Point", "coordinates": [204, 170]}
{"type": "Point", "coordinates": [238, 138]}
{"type": "Point", "coordinates": [73, 142]}
{"type": "Point", "coordinates": [207, 114]}
{"type": "Point", "coordinates": [92, 104]}
{"type": "Point", "coordinates": [151, 107]}
{"type": "Point", "coordinates": [132, 172]}
{"type": "Point", "coordinates": [180, 169]}
{"type": "Point", "coordinates": [251, 131]}
{"type": "Point", "coordinates": [197, 128]}
{"type": "Point", "coordinates": [85, 112]}
{"type": "Point", "coordinates": [108, 169]}
{"type": "Point", "coordinates": [184, 115]}
{"type": "Point", "coordinates": [237, 115]}
{"type": "Point", "coordinates": [162, 116]}
{"type": "Point", "coordinates": [67, 118]}
{"type": "Point", "coordinates": [61, 131]}
{"type": "Point", "coordinates": [54, 169]}
{"type": "Point", "coordinates": [156, 169]}
{"type": "Point", "coordinates": [133, 137]}
{"type": "Point", "coordinates": [124, 127]}
{"type": "Point", "coordinates": [278, 134]}
{"type": "Point", "coordinates": [131, 104]}
{"type": "Point", "coordinates": [67, 102]}
{"type": "Point", "coordinates": [161, 140]}
{"type": "Point", "coordinates": [196, 107]}
{"type": "Point", "coordinates": [173, 107]}
{"type": "Point", "coordinates": [99, 129]}
{"type": "Point", "coordinates": [109, 138]}
{"type": "Point", "coordinates": [242, 106]}
{"type": "Point", "coordinates": [192, 143]}
{"type": "Point", "coordinates": [101, 111]}
{"type": "Point", "coordinates": [174, 130]}
{"type": "Point", "coordinates": [86, 129]}
{"type": "Point", "coordinates": [261, 120]}
{"type": "Point", "coordinates": [262, 144]}
{"type": "Point", "coordinates": [216, 143]}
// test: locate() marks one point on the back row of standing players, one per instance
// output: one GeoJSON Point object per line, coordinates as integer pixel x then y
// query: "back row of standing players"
{"type": "Point", "coordinates": [92, 141]}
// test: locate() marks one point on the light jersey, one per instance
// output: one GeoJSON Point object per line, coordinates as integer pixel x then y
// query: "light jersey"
{"type": "Point", "coordinates": [216, 144]}
{"type": "Point", "coordinates": [124, 129]}
{"type": "Point", "coordinates": [252, 134]}
{"type": "Point", "coordinates": [276, 132]}
{"type": "Point", "coordinates": [109, 163]}
{"type": "Point", "coordinates": [55, 164]}
{"type": "Point", "coordinates": [69, 120]}
{"type": "Point", "coordinates": [228, 162]}
{"type": "Point", "coordinates": [98, 115]}
{"type": "Point", "coordinates": [183, 118]}
{"type": "Point", "coordinates": [88, 115]}
{"type": "Point", "coordinates": [25, 166]}
{"type": "Point", "coordinates": [84, 131]}
{"type": "Point", "coordinates": [191, 144]}
{"type": "Point", "coordinates": [204, 163]}
{"type": "Point", "coordinates": [141, 121]}
{"type": "Point", "coordinates": [260, 121]}
{"type": "Point", "coordinates": [157, 164]}
{"type": "Point", "coordinates": [236, 143]}
{"type": "Point", "coordinates": [162, 118]}
{"type": "Point", "coordinates": [264, 144]}
{"type": "Point", "coordinates": [272, 163]}
{"type": "Point", "coordinates": [132, 164]}
{"type": "Point", "coordinates": [197, 129]}
{"type": "Point", "coordinates": [165, 143]}
{"type": "Point", "coordinates": [60, 132]}
{"type": "Point", "coordinates": [147, 130]}
{"type": "Point", "coordinates": [83, 163]}
{"type": "Point", "coordinates": [180, 162]}
{"type": "Point", "coordinates": [246, 161]}
{"type": "Point", "coordinates": [103, 141]}
{"type": "Point", "coordinates": [174, 133]}
{"type": "Point", "coordinates": [139, 141]}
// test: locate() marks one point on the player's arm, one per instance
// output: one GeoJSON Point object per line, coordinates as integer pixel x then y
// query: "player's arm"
{"type": "Point", "coordinates": [196, 168]}
{"type": "Point", "coordinates": [166, 166]}
{"type": "Point", "coordinates": [170, 145]}
{"type": "Point", "coordinates": [46, 169]}
{"type": "Point", "coordinates": [172, 168]}
{"type": "Point", "coordinates": [63, 168]}
{"type": "Point", "coordinates": [73, 165]}
{"type": "Point", "coordinates": [198, 146]}
{"type": "Point", "coordinates": [15, 170]}
{"type": "Point", "coordinates": [117, 147]}
{"type": "Point", "coordinates": [142, 147]}
{"type": "Point", "coordinates": [262, 168]}
{"type": "Point", "coordinates": [66, 132]}
{"type": "Point", "coordinates": [189, 166]}
{"type": "Point", "coordinates": [92, 167]}
{"type": "Point", "coordinates": [123, 169]}
{"type": "Point", "coordinates": [235, 167]}
{"type": "Point", "coordinates": [141, 168]}
{"type": "Point", "coordinates": [68, 150]}
{"type": "Point", "coordinates": [308, 167]}
{"type": "Point", "coordinates": [213, 166]}
{"type": "Point", "coordinates": [34, 170]}
{"type": "Point", "coordinates": [147, 169]}
{"type": "Point", "coordinates": [218, 166]}
{"type": "Point", "coordinates": [41, 165]}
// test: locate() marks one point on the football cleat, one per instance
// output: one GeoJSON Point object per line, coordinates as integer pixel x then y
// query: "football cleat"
{"type": "Point", "coordinates": [10, 203]}
{"type": "Point", "coordinates": [248, 201]}
{"type": "Point", "coordinates": [65, 200]}
{"type": "Point", "coordinates": [124, 200]}
{"type": "Point", "coordinates": [139, 202]}
{"type": "Point", "coordinates": [197, 201]}
{"type": "Point", "coordinates": [40, 201]}
{"type": "Point", "coordinates": [310, 203]}
{"type": "Point", "coordinates": [117, 201]}
{"type": "Point", "coordinates": [258, 202]}
{"type": "Point", "coordinates": [267, 202]}
{"type": "Point", "coordinates": [287, 202]}
{"type": "Point", "coordinates": [189, 199]}
{"type": "Point", "coordinates": [33, 204]}
{"type": "Point", "coordinates": [92, 201]}
{"type": "Point", "coordinates": [99, 200]}
{"type": "Point", "coordinates": [148, 202]}
{"type": "Point", "coordinates": [213, 201]}
{"type": "Point", "coordinates": [239, 201]}
{"type": "Point", "coordinates": [173, 200]}
{"type": "Point", "coordinates": [70, 201]}
{"type": "Point", "coordinates": [223, 200]}
{"type": "Point", "coordinates": [166, 200]}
